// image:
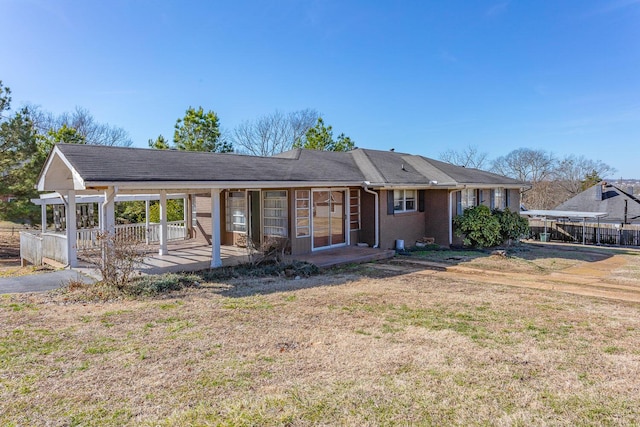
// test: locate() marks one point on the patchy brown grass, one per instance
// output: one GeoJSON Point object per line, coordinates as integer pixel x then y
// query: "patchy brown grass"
{"type": "Point", "coordinates": [357, 346]}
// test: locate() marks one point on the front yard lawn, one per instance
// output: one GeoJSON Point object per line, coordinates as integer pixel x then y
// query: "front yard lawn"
{"type": "Point", "coordinates": [349, 347]}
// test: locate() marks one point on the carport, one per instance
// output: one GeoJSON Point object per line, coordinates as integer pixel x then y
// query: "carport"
{"type": "Point", "coordinates": [571, 215]}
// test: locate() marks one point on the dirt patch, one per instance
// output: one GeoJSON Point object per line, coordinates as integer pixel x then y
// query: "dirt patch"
{"type": "Point", "coordinates": [598, 272]}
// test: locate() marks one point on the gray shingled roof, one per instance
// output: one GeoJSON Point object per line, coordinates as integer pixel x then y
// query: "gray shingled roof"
{"type": "Point", "coordinates": [613, 202]}
{"type": "Point", "coordinates": [97, 163]}
{"type": "Point", "coordinates": [110, 164]}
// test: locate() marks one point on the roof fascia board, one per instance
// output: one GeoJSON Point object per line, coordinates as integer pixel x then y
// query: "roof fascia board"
{"type": "Point", "coordinates": [54, 198]}
{"type": "Point", "coordinates": [200, 185]}
{"type": "Point", "coordinates": [447, 186]}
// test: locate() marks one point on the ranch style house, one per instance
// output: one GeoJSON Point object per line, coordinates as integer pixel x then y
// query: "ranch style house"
{"type": "Point", "coordinates": [312, 200]}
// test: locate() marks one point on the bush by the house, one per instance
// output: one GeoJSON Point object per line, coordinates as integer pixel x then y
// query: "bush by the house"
{"type": "Point", "coordinates": [482, 228]}
{"type": "Point", "coordinates": [512, 225]}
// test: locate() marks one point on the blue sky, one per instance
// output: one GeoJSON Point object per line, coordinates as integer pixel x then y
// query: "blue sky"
{"type": "Point", "coordinates": [418, 76]}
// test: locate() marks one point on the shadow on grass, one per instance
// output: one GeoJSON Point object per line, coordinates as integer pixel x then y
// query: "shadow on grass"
{"type": "Point", "coordinates": [530, 251]}
{"type": "Point", "coordinates": [250, 280]}
{"type": "Point", "coordinates": [246, 280]}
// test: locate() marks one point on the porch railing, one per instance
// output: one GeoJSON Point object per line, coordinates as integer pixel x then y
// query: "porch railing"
{"type": "Point", "coordinates": [31, 247]}
{"type": "Point", "coordinates": [176, 230]}
{"type": "Point", "coordinates": [34, 246]}
{"type": "Point", "coordinates": [54, 246]}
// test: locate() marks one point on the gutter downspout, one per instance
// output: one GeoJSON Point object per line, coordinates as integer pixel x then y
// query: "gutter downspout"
{"type": "Point", "coordinates": [377, 212]}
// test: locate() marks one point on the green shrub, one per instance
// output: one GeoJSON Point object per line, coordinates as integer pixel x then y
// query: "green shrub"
{"type": "Point", "coordinates": [512, 225]}
{"type": "Point", "coordinates": [482, 228]}
{"type": "Point", "coordinates": [478, 227]}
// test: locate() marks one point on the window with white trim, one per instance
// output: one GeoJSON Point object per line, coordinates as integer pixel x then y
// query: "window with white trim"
{"type": "Point", "coordinates": [354, 209]}
{"type": "Point", "coordinates": [498, 199]}
{"type": "Point", "coordinates": [404, 200]}
{"type": "Point", "coordinates": [236, 212]}
{"type": "Point", "coordinates": [466, 198]}
{"type": "Point", "coordinates": [303, 220]}
{"type": "Point", "coordinates": [274, 213]}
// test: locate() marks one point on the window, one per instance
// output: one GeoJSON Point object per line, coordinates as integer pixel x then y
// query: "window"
{"type": "Point", "coordinates": [404, 200]}
{"type": "Point", "coordinates": [507, 197]}
{"type": "Point", "coordinates": [465, 199]}
{"type": "Point", "coordinates": [302, 213]}
{"type": "Point", "coordinates": [497, 201]}
{"type": "Point", "coordinates": [354, 209]}
{"type": "Point", "coordinates": [275, 213]}
{"type": "Point", "coordinates": [236, 212]}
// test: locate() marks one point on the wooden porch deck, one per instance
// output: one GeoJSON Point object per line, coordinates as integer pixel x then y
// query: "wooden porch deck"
{"type": "Point", "coordinates": [192, 256]}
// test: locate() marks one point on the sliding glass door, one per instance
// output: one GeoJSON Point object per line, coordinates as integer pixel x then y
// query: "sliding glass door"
{"type": "Point", "coordinates": [329, 219]}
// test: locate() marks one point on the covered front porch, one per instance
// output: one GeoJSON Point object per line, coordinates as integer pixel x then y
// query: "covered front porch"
{"type": "Point", "coordinates": [189, 256]}
{"type": "Point", "coordinates": [244, 206]}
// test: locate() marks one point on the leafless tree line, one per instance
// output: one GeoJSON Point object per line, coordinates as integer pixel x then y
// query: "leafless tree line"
{"type": "Point", "coordinates": [273, 133]}
{"type": "Point", "coordinates": [553, 180]}
{"type": "Point", "coordinates": [83, 122]}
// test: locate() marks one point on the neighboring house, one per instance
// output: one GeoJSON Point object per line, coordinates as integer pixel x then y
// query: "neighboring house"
{"type": "Point", "coordinates": [313, 199]}
{"type": "Point", "coordinates": [621, 206]}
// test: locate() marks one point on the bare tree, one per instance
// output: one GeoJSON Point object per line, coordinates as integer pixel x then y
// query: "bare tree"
{"type": "Point", "coordinates": [526, 165]}
{"type": "Point", "coordinates": [83, 122]}
{"type": "Point", "coordinates": [575, 174]}
{"type": "Point", "coordinates": [94, 132]}
{"type": "Point", "coordinates": [536, 167]}
{"type": "Point", "coordinates": [544, 195]}
{"type": "Point", "coordinates": [469, 157]}
{"type": "Point", "coordinates": [273, 133]}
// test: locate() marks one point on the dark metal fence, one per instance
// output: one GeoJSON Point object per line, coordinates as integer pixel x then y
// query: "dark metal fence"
{"type": "Point", "coordinates": [606, 234]}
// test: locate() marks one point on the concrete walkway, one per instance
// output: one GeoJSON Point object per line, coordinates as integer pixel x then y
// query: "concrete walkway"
{"type": "Point", "coordinates": [40, 282]}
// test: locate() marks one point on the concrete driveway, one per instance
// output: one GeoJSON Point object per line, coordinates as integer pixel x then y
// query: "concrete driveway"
{"type": "Point", "coordinates": [40, 282]}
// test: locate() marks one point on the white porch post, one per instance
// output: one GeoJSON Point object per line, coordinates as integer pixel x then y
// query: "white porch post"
{"type": "Point", "coordinates": [216, 260]}
{"type": "Point", "coordinates": [72, 251]}
{"type": "Point", "coordinates": [146, 221]}
{"type": "Point", "coordinates": [108, 223]}
{"type": "Point", "coordinates": [163, 223]}
{"type": "Point", "coordinates": [185, 216]}
{"type": "Point", "coordinates": [188, 216]}
{"type": "Point", "coordinates": [43, 219]}
{"type": "Point", "coordinates": [101, 216]}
